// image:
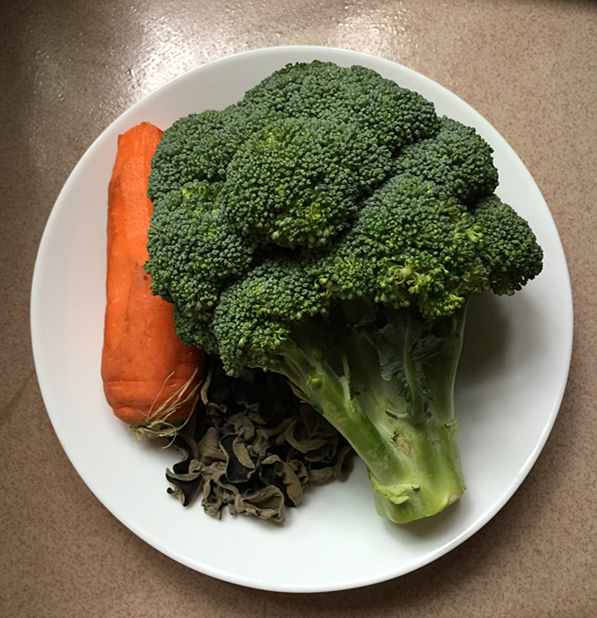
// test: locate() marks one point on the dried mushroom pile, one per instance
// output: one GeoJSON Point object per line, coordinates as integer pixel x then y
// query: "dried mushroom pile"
{"type": "Point", "coordinates": [252, 446]}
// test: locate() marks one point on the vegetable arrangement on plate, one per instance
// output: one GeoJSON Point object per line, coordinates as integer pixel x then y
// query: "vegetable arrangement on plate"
{"type": "Point", "coordinates": [330, 228]}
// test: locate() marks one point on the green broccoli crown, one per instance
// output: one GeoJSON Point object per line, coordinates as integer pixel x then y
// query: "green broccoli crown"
{"type": "Point", "coordinates": [324, 184]}
{"type": "Point", "coordinates": [298, 152]}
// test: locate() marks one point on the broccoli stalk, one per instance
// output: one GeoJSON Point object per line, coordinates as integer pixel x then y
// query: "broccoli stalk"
{"type": "Point", "coordinates": [387, 386]}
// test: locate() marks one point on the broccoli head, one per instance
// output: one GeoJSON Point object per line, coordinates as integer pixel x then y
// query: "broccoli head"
{"type": "Point", "coordinates": [331, 227]}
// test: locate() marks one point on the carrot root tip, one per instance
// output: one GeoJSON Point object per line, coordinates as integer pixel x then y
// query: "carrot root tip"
{"type": "Point", "coordinates": [158, 424]}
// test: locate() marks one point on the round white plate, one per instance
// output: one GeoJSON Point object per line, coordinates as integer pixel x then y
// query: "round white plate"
{"type": "Point", "coordinates": [511, 380]}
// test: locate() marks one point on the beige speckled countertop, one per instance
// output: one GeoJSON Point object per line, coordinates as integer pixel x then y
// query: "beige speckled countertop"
{"type": "Point", "coordinates": [68, 68]}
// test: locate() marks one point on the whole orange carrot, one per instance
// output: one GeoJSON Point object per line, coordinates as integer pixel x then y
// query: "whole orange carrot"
{"type": "Point", "coordinates": [148, 374]}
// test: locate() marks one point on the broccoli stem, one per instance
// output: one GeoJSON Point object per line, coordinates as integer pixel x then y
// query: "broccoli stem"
{"type": "Point", "coordinates": [389, 391]}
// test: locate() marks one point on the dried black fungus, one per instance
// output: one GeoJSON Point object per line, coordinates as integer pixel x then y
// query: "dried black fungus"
{"type": "Point", "coordinates": [253, 446]}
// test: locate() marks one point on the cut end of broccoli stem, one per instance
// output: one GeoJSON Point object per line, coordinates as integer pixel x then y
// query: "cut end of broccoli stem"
{"type": "Point", "coordinates": [411, 505]}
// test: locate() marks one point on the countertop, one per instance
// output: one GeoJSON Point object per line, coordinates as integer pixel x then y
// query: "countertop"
{"type": "Point", "coordinates": [69, 68]}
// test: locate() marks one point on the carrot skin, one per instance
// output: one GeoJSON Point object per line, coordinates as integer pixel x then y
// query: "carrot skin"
{"type": "Point", "coordinates": [144, 364]}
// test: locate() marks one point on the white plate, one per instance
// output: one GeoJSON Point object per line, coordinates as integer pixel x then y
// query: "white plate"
{"type": "Point", "coordinates": [511, 381]}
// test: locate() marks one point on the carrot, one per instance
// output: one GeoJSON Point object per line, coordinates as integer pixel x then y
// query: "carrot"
{"type": "Point", "coordinates": [149, 376]}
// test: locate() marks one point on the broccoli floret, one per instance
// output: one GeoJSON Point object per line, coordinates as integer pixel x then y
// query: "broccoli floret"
{"type": "Point", "coordinates": [256, 314]}
{"type": "Point", "coordinates": [194, 249]}
{"type": "Point", "coordinates": [456, 158]}
{"type": "Point", "coordinates": [332, 228]}
{"type": "Point", "coordinates": [298, 182]}
{"type": "Point", "coordinates": [396, 116]}
{"type": "Point", "coordinates": [510, 249]}
{"type": "Point", "coordinates": [413, 245]}
{"type": "Point", "coordinates": [197, 148]}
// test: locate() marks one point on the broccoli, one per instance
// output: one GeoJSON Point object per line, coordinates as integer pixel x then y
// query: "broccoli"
{"type": "Point", "coordinates": [331, 227]}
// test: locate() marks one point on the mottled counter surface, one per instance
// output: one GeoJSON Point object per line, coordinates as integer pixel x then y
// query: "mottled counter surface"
{"type": "Point", "coordinates": [69, 68]}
